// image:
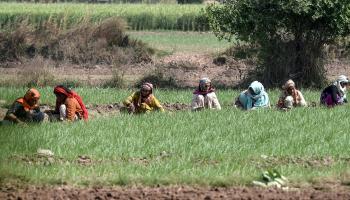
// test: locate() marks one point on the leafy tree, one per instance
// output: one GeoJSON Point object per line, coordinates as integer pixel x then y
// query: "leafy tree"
{"type": "Point", "coordinates": [291, 34]}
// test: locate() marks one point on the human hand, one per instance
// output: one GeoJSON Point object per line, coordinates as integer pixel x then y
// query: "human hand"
{"type": "Point", "coordinates": [21, 123]}
{"type": "Point", "coordinates": [131, 108]}
{"type": "Point", "coordinates": [198, 109]}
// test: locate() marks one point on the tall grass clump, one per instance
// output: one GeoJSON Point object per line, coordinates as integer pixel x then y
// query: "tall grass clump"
{"type": "Point", "coordinates": [85, 44]}
{"type": "Point", "coordinates": [117, 80]}
{"type": "Point", "coordinates": [37, 72]}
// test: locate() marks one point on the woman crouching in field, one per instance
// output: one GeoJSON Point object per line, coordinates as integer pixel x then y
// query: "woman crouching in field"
{"type": "Point", "coordinates": [290, 97]}
{"type": "Point", "coordinates": [69, 105]}
{"type": "Point", "coordinates": [143, 101]}
{"type": "Point", "coordinates": [26, 109]}
{"type": "Point", "coordinates": [253, 98]}
{"type": "Point", "coordinates": [204, 96]}
{"type": "Point", "coordinates": [335, 94]}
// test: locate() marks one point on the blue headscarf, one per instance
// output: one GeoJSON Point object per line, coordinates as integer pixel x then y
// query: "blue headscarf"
{"type": "Point", "coordinates": [256, 100]}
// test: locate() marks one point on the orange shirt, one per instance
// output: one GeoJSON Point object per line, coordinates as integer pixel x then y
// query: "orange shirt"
{"type": "Point", "coordinates": [73, 108]}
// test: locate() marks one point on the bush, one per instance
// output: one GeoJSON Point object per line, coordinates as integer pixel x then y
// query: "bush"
{"type": "Point", "coordinates": [158, 79]}
{"type": "Point", "coordinates": [117, 80]}
{"type": "Point", "coordinates": [86, 44]}
{"type": "Point", "coordinates": [291, 34]}
{"type": "Point", "coordinates": [36, 73]}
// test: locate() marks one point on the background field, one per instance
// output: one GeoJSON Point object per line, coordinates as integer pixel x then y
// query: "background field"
{"type": "Point", "coordinates": [226, 147]}
{"type": "Point", "coordinates": [185, 42]}
{"type": "Point", "coordinates": [138, 16]}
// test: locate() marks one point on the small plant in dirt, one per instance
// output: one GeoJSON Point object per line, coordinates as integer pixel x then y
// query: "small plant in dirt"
{"type": "Point", "coordinates": [271, 178]}
{"type": "Point", "coordinates": [117, 80]}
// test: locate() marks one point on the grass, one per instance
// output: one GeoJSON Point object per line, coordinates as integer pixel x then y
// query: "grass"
{"type": "Point", "coordinates": [184, 42]}
{"type": "Point", "coordinates": [138, 16]}
{"type": "Point", "coordinates": [206, 148]}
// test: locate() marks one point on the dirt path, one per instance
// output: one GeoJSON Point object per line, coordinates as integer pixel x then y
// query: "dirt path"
{"type": "Point", "coordinates": [113, 109]}
{"type": "Point", "coordinates": [175, 192]}
{"type": "Point", "coordinates": [184, 68]}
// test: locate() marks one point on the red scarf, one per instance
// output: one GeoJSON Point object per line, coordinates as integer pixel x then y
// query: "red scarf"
{"type": "Point", "coordinates": [71, 94]}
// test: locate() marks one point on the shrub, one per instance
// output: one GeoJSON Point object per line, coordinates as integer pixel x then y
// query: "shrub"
{"type": "Point", "coordinates": [86, 44]}
{"type": "Point", "coordinates": [291, 34]}
{"type": "Point", "coordinates": [158, 79]}
{"type": "Point", "coordinates": [36, 73]}
{"type": "Point", "coordinates": [117, 80]}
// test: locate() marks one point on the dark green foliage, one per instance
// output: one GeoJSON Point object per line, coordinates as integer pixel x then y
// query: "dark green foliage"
{"type": "Point", "coordinates": [189, 1]}
{"type": "Point", "coordinates": [291, 34]}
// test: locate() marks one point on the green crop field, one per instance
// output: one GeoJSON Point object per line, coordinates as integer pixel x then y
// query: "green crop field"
{"type": "Point", "coordinates": [185, 42]}
{"type": "Point", "coordinates": [227, 147]}
{"type": "Point", "coordinates": [138, 16]}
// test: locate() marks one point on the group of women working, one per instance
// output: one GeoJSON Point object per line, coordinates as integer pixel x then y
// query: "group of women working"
{"type": "Point", "coordinates": [70, 106]}
{"type": "Point", "coordinates": [256, 97]}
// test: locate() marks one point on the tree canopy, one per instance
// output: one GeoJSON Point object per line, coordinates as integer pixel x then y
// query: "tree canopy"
{"type": "Point", "coordinates": [293, 32]}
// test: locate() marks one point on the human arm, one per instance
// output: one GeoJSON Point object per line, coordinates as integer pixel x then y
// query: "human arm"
{"type": "Point", "coordinates": [129, 102]}
{"type": "Point", "coordinates": [281, 99]}
{"type": "Point", "coordinates": [261, 102]}
{"type": "Point", "coordinates": [11, 117]}
{"type": "Point", "coordinates": [215, 101]}
{"type": "Point", "coordinates": [156, 104]}
{"type": "Point", "coordinates": [196, 103]}
{"type": "Point", "coordinates": [11, 113]}
{"type": "Point", "coordinates": [301, 100]}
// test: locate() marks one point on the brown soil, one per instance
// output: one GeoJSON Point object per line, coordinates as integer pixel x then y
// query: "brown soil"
{"type": "Point", "coordinates": [184, 68]}
{"type": "Point", "coordinates": [108, 109]}
{"type": "Point", "coordinates": [113, 109]}
{"type": "Point", "coordinates": [326, 191]}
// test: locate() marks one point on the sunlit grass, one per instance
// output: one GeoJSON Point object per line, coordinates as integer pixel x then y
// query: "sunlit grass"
{"type": "Point", "coordinates": [184, 42]}
{"type": "Point", "coordinates": [210, 147]}
{"type": "Point", "coordinates": [138, 16]}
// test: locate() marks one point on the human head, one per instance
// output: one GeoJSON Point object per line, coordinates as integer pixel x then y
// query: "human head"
{"type": "Point", "coordinates": [343, 80]}
{"type": "Point", "coordinates": [289, 86]}
{"type": "Point", "coordinates": [255, 88]}
{"type": "Point", "coordinates": [146, 89]}
{"type": "Point", "coordinates": [204, 84]}
{"type": "Point", "coordinates": [251, 91]}
{"type": "Point", "coordinates": [32, 97]}
{"type": "Point", "coordinates": [61, 92]}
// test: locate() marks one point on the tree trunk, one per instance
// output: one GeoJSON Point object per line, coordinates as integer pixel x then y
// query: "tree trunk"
{"type": "Point", "coordinates": [297, 60]}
